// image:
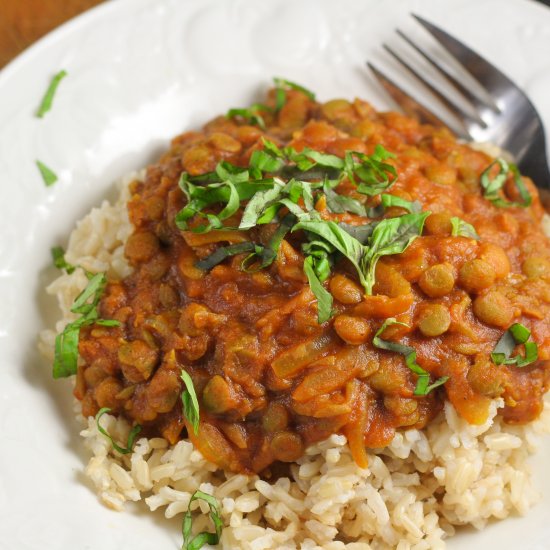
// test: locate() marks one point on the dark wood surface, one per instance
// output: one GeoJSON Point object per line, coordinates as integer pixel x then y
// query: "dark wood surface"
{"type": "Point", "coordinates": [22, 22]}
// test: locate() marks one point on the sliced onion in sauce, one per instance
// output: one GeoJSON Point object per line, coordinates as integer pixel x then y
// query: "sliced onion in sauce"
{"type": "Point", "coordinates": [291, 361]}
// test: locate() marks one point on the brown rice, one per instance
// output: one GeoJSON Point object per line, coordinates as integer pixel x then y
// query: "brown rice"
{"type": "Point", "coordinates": [412, 495]}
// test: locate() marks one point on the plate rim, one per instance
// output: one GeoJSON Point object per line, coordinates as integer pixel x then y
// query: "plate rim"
{"type": "Point", "coordinates": [72, 26]}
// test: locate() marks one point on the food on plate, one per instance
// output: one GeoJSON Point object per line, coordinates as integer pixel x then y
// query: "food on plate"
{"type": "Point", "coordinates": [326, 325]}
{"type": "Point", "coordinates": [47, 100]}
{"type": "Point", "coordinates": [48, 175]}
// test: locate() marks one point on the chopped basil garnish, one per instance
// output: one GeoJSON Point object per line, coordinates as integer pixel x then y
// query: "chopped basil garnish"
{"type": "Point", "coordinates": [387, 237]}
{"type": "Point", "coordinates": [225, 252]}
{"type": "Point", "coordinates": [259, 203]}
{"type": "Point", "coordinates": [516, 335]}
{"type": "Point", "coordinates": [93, 290]}
{"type": "Point", "coordinates": [264, 205]}
{"type": "Point", "coordinates": [264, 256]}
{"type": "Point", "coordinates": [131, 436]}
{"type": "Point", "coordinates": [283, 84]}
{"type": "Point", "coordinates": [47, 100]}
{"type": "Point", "coordinates": [232, 187]}
{"type": "Point", "coordinates": [280, 99]}
{"type": "Point", "coordinates": [48, 175]}
{"type": "Point", "coordinates": [317, 270]}
{"type": "Point", "coordinates": [390, 236]}
{"type": "Point", "coordinates": [58, 256]}
{"type": "Point", "coordinates": [308, 158]}
{"type": "Point", "coordinates": [281, 87]}
{"type": "Point", "coordinates": [190, 402]}
{"type": "Point", "coordinates": [229, 185]}
{"type": "Point", "coordinates": [389, 201]}
{"type": "Point", "coordinates": [309, 174]}
{"type": "Point", "coordinates": [66, 351]}
{"type": "Point", "coordinates": [251, 114]}
{"type": "Point", "coordinates": [373, 173]}
{"type": "Point", "coordinates": [342, 241]}
{"type": "Point", "coordinates": [368, 172]}
{"type": "Point", "coordinates": [492, 186]}
{"type": "Point", "coordinates": [320, 252]}
{"type": "Point", "coordinates": [460, 228]}
{"type": "Point", "coordinates": [199, 540]}
{"type": "Point", "coordinates": [360, 232]}
{"type": "Point", "coordinates": [423, 386]}
{"type": "Point", "coordinates": [260, 160]}
{"type": "Point", "coordinates": [66, 343]}
{"type": "Point", "coordinates": [342, 203]}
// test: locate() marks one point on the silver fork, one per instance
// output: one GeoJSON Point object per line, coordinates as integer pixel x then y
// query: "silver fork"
{"type": "Point", "coordinates": [506, 118]}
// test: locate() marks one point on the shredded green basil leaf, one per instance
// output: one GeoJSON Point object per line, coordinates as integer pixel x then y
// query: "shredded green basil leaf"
{"type": "Point", "coordinates": [389, 201]}
{"type": "Point", "coordinates": [460, 228]}
{"type": "Point", "coordinates": [259, 204]}
{"type": "Point", "coordinates": [251, 114]}
{"type": "Point", "coordinates": [232, 205]}
{"type": "Point", "coordinates": [107, 322]}
{"type": "Point", "coordinates": [225, 252]}
{"type": "Point", "coordinates": [493, 186]}
{"type": "Point", "coordinates": [308, 158]}
{"type": "Point", "coordinates": [265, 205]}
{"type": "Point", "coordinates": [283, 84]}
{"type": "Point", "coordinates": [317, 270]}
{"type": "Point", "coordinates": [423, 386]}
{"type": "Point", "coordinates": [199, 540]}
{"type": "Point", "coordinates": [342, 203]}
{"type": "Point", "coordinates": [370, 173]}
{"type": "Point", "coordinates": [48, 175]}
{"type": "Point", "coordinates": [93, 290]}
{"type": "Point", "coordinates": [264, 256]}
{"type": "Point", "coordinates": [516, 335]}
{"type": "Point", "coordinates": [230, 185]}
{"type": "Point", "coordinates": [131, 436]}
{"type": "Point", "coordinates": [280, 99]}
{"type": "Point", "coordinates": [390, 236]}
{"type": "Point", "coordinates": [342, 241]}
{"type": "Point", "coordinates": [66, 351]}
{"type": "Point", "coordinates": [190, 402]}
{"type": "Point", "coordinates": [47, 100]}
{"type": "Point", "coordinates": [261, 160]}
{"type": "Point", "coordinates": [360, 232]}
{"type": "Point", "coordinates": [321, 253]}
{"type": "Point", "coordinates": [280, 233]}
{"type": "Point", "coordinates": [58, 256]}
{"type": "Point", "coordinates": [233, 187]}
{"type": "Point", "coordinates": [66, 343]}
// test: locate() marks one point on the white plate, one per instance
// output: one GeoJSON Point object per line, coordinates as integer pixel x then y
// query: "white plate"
{"type": "Point", "coordinates": [140, 71]}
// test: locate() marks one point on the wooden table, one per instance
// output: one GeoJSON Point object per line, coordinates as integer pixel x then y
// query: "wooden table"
{"type": "Point", "coordinates": [24, 21]}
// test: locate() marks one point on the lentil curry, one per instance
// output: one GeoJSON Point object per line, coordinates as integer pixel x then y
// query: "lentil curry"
{"type": "Point", "coordinates": [285, 337]}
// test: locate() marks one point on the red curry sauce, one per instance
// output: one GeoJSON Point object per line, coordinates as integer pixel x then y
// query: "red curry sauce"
{"type": "Point", "coordinates": [271, 380]}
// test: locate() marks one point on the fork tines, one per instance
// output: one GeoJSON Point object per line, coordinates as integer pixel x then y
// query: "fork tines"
{"type": "Point", "coordinates": [488, 77]}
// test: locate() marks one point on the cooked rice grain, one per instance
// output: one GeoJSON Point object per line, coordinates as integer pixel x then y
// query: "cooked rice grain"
{"type": "Point", "coordinates": [410, 498]}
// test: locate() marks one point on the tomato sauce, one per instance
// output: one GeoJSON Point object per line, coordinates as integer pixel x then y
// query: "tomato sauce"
{"type": "Point", "coordinates": [269, 378]}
